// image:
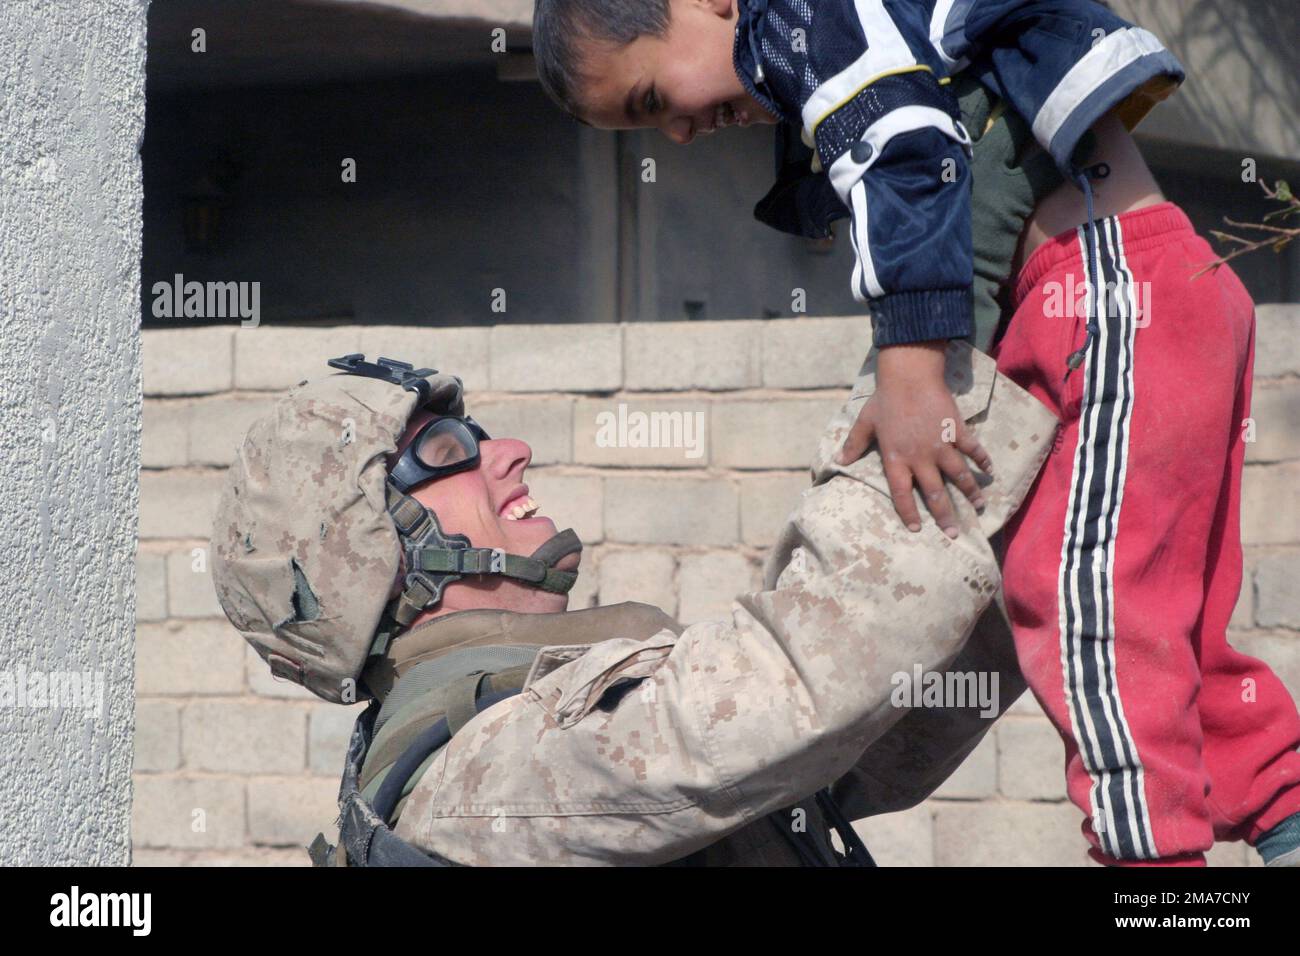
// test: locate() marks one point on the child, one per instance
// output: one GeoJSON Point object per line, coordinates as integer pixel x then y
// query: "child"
{"type": "Point", "coordinates": [1119, 613]}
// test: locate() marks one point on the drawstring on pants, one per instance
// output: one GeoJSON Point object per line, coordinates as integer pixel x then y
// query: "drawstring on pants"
{"type": "Point", "coordinates": [1081, 177]}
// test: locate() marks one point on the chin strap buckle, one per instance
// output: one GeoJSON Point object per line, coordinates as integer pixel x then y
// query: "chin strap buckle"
{"type": "Point", "coordinates": [480, 561]}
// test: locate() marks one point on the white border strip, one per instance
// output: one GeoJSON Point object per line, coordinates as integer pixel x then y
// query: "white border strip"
{"type": "Point", "coordinates": [887, 51]}
{"type": "Point", "coordinates": [1107, 58]}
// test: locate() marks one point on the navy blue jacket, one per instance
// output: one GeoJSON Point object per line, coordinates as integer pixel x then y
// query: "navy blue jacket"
{"type": "Point", "coordinates": [863, 83]}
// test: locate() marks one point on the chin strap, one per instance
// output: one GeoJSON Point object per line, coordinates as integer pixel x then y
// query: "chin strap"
{"type": "Point", "coordinates": [434, 559]}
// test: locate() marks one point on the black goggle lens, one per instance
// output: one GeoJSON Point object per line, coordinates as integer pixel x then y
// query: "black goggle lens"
{"type": "Point", "coordinates": [445, 443]}
{"type": "Point", "coordinates": [442, 447]}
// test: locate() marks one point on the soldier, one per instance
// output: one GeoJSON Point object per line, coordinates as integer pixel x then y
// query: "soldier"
{"type": "Point", "coordinates": [373, 541]}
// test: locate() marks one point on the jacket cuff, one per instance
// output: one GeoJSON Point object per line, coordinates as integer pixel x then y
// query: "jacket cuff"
{"type": "Point", "coordinates": [900, 318]}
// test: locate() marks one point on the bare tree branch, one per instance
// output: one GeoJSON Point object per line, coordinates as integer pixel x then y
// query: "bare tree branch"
{"type": "Point", "coordinates": [1277, 237]}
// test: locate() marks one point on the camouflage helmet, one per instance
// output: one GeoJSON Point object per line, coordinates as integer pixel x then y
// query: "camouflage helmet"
{"type": "Point", "coordinates": [310, 536]}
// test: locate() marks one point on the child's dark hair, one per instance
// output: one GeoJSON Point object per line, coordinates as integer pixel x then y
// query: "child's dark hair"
{"type": "Point", "coordinates": [561, 27]}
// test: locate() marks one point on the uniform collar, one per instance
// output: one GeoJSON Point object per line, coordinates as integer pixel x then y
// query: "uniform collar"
{"type": "Point", "coordinates": [484, 627]}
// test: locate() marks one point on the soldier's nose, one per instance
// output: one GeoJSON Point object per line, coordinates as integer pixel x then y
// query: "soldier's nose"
{"type": "Point", "coordinates": [505, 457]}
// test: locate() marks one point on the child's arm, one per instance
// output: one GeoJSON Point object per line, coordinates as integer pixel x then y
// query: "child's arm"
{"type": "Point", "coordinates": [1063, 64]}
{"type": "Point", "coordinates": [888, 134]}
{"type": "Point", "coordinates": [896, 155]}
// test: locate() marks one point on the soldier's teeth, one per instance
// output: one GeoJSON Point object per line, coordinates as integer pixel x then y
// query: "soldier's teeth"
{"type": "Point", "coordinates": [526, 508]}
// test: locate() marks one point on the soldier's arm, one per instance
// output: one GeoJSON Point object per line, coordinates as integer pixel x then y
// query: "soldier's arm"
{"type": "Point", "coordinates": [644, 751]}
{"type": "Point", "coordinates": [913, 758]}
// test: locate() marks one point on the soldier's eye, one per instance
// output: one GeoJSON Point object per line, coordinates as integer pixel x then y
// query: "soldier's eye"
{"type": "Point", "coordinates": [444, 444]}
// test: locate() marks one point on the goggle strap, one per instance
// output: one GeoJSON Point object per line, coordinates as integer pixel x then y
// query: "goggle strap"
{"type": "Point", "coordinates": [409, 515]}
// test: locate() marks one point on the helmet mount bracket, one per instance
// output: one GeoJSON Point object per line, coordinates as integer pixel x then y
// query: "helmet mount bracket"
{"type": "Point", "coordinates": [402, 374]}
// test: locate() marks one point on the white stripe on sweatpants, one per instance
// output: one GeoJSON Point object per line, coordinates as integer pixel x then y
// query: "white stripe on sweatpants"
{"type": "Point", "coordinates": [1086, 596]}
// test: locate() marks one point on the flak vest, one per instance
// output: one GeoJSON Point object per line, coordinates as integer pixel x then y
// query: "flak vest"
{"type": "Point", "coordinates": [433, 679]}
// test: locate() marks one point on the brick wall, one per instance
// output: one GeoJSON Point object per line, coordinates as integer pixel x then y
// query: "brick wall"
{"type": "Point", "coordinates": [233, 767]}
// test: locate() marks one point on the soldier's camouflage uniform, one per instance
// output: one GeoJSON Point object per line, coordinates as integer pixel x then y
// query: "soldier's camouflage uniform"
{"type": "Point", "coordinates": [721, 723]}
{"type": "Point", "coordinates": [713, 726]}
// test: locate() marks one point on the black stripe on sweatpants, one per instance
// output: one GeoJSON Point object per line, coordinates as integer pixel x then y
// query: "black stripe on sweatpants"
{"type": "Point", "coordinates": [1134, 774]}
{"type": "Point", "coordinates": [1116, 318]}
{"type": "Point", "coordinates": [1086, 590]}
{"type": "Point", "coordinates": [1073, 609]}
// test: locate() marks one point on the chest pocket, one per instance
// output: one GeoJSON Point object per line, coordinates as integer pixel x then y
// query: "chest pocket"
{"type": "Point", "coordinates": [569, 682]}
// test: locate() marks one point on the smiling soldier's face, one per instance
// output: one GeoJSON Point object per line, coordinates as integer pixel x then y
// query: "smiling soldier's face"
{"type": "Point", "coordinates": [683, 84]}
{"type": "Point", "coordinates": [493, 507]}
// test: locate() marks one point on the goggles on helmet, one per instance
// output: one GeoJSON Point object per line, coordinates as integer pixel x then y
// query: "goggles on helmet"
{"type": "Point", "coordinates": [442, 446]}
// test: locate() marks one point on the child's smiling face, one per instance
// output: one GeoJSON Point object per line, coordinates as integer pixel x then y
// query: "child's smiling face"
{"type": "Point", "coordinates": [682, 84]}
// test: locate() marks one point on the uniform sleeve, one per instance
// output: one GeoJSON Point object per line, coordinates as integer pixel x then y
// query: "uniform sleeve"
{"type": "Point", "coordinates": [889, 134]}
{"type": "Point", "coordinates": [642, 752]}
{"type": "Point", "coordinates": [916, 755]}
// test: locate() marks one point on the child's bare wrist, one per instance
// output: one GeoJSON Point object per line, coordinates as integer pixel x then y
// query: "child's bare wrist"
{"type": "Point", "coordinates": [914, 363]}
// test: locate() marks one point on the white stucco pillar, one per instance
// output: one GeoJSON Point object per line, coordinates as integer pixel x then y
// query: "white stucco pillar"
{"type": "Point", "coordinates": [71, 121]}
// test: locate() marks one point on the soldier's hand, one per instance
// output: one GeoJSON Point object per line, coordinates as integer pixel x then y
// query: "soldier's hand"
{"type": "Point", "coordinates": [914, 420]}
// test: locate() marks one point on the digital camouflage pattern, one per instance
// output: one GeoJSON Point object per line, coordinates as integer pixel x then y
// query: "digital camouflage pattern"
{"type": "Point", "coordinates": [710, 728]}
{"type": "Point", "coordinates": [304, 551]}
{"type": "Point", "coordinates": [717, 726]}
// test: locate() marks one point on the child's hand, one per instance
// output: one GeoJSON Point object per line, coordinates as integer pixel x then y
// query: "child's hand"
{"type": "Point", "coordinates": [914, 420]}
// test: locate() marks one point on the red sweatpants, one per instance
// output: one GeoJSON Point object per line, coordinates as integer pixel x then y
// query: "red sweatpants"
{"type": "Point", "coordinates": [1123, 566]}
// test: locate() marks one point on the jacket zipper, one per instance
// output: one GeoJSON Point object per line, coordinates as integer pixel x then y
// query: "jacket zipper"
{"type": "Point", "coordinates": [749, 82]}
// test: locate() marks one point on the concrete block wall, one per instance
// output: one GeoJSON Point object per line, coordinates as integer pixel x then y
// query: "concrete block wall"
{"type": "Point", "coordinates": [233, 767]}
